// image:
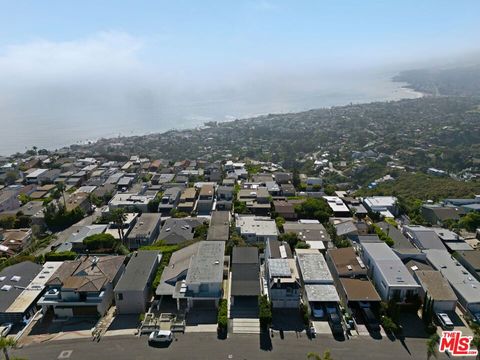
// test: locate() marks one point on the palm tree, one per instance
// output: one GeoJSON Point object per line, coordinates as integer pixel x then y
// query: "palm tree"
{"type": "Point", "coordinates": [6, 344]}
{"type": "Point", "coordinates": [432, 345]}
{"type": "Point", "coordinates": [118, 217]}
{"type": "Point", "coordinates": [61, 189]}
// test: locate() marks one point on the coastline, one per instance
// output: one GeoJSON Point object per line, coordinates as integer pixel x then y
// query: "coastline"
{"type": "Point", "coordinates": [397, 91]}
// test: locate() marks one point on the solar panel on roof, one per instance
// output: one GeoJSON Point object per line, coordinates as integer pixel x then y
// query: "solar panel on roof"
{"type": "Point", "coordinates": [279, 268]}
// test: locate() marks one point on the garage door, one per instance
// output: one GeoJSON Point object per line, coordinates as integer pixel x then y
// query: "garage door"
{"type": "Point", "coordinates": [246, 301]}
{"type": "Point", "coordinates": [204, 304]}
{"type": "Point", "coordinates": [85, 311]}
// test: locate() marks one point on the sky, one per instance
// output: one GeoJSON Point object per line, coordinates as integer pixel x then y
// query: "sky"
{"type": "Point", "coordinates": [69, 62]}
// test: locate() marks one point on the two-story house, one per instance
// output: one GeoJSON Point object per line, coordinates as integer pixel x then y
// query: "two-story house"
{"type": "Point", "coordinates": [83, 287]}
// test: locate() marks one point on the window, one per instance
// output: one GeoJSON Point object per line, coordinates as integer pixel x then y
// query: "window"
{"type": "Point", "coordinates": [120, 296]}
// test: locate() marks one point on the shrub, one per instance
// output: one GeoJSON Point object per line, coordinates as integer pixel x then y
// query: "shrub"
{"type": "Point", "coordinates": [304, 313]}
{"type": "Point", "coordinates": [264, 311]}
{"type": "Point", "coordinates": [60, 256]}
{"type": "Point", "coordinates": [389, 325]}
{"type": "Point", "coordinates": [222, 318]}
{"type": "Point", "coordinates": [99, 241]}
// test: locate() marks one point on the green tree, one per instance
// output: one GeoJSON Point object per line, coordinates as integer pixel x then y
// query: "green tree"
{"type": "Point", "coordinates": [470, 222]}
{"type": "Point", "coordinates": [264, 311]}
{"type": "Point", "coordinates": [279, 221]}
{"type": "Point", "coordinates": [7, 222]}
{"type": "Point", "coordinates": [61, 188]}
{"type": "Point", "coordinates": [6, 344]}
{"type": "Point", "coordinates": [432, 346]}
{"type": "Point", "coordinates": [329, 189]}
{"type": "Point", "coordinates": [290, 238]}
{"type": "Point", "coordinates": [118, 217]}
{"type": "Point", "coordinates": [100, 241]}
{"type": "Point", "coordinates": [314, 208]}
{"type": "Point", "coordinates": [296, 178]}
{"type": "Point", "coordinates": [201, 231]}
{"type": "Point", "coordinates": [10, 177]}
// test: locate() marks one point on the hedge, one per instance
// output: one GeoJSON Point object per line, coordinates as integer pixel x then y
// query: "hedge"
{"type": "Point", "coordinates": [222, 317]}
{"type": "Point", "coordinates": [60, 256]}
{"type": "Point", "coordinates": [264, 311]}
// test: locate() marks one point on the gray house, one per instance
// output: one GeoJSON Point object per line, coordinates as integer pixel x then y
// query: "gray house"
{"type": "Point", "coordinates": [133, 290]}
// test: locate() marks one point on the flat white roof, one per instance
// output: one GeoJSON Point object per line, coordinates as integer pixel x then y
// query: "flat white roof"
{"type": "Point", "coordinates": [380, 201]}
{"type": "Point", "coordinates": [261, 226]}
{"type": "Point", "coordinates": [321, 293]}
{"type": "Point", "coordinates": [389, 264]}
{"type": "Point", "coordinates": [336, 204]}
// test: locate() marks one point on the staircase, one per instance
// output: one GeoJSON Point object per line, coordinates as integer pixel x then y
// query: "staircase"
{"type": "Point", "coordinates": [104, 323]}
{"type": "Point", "coordinates": [246, 326]}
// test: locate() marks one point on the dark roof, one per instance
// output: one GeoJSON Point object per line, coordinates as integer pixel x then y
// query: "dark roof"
{"type": "Point", "coordinates": [245, 272]}
{"type": "Point", "coordinates": [274, 246]}
{"type": "Point", "coordinates": [27, 271]}
{"type": "Point", "coordinates": [471, 257]}
{"type": "Point", "coordinates": [245, 255]}
{"type": "Point", "coordinates": [138, 271]}
{"type": "Point", "coordinates": [175, 231]}
{"type": "Point", "coordinates": [400, 241]}
{"type": "Point", "coordinates": [219, 228]}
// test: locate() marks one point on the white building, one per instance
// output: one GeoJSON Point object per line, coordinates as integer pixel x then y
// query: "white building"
{"type": "Point", "coordinates": [390, 276]}
{"type": "Point", "coordinates": [337, 205]}
{"type": "Point", "coordinates": [385, 205]}
{"type": "Point", "coordinates": [256, 228]}
{"type": "Point", "coordinates": [464, 284]}
{"type": "Point", "coordinates": [130, 201]}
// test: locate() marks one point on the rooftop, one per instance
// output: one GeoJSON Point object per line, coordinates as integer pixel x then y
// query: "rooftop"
{"type": "Point", "coordinates": [145, 225]}
{"type": "Point", "coordinates": [313, 267]}
{"type": "Point", "coordinates": [245, 271]}
{"type": "Point", "coordinates": [459, 278]}
{"type": "Point", "coordinates": [138, 271]}
{"type": "Point", "coordinates": [435, 285]}
{"type": "Point", "coordinates": [321, 292]}
{"type": "Point", "coordinates": [14, 279]}
{"type": "Point", "coordinates": [307, 231]}
{"type": "Point", "coordinates": [206, 266]}
{"type": "Point", "coordinates": [88, 273]}
{"type": "Point", "coordinates": [346, 261]}
{"type": "Point", "coordinates": [359, 289]}
{"type": "Point", "coordinates": [392, 268]}
{"type": "Point", "coordinates": [261, 226]}
{"type": "Point", "coordinates": [336, 204]}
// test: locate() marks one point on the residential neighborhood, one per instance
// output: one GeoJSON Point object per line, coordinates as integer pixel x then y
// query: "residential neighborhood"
{"type": "Point", "coordinates": [227, 254]}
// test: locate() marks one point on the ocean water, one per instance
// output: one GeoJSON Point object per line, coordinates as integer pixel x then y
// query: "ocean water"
{"type": "Point", "coordinates": [55, 117]}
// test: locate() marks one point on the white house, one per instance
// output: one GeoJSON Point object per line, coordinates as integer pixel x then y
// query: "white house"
{"type": "Point", "coordinates": [390, 276]}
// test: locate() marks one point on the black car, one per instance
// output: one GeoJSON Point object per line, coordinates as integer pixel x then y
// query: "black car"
{"type": "Point", "coordinates": [370, 319]}
{"type": "Point", "coordinates": [335, 323]}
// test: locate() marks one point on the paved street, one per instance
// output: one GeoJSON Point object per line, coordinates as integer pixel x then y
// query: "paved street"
{"type": "Point", "coordinates": [206, 346]}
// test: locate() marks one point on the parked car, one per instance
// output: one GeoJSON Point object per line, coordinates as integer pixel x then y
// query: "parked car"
{"type": "Point", "coordinates": [445, 321]}
{"type": "Point", "coordinates": [160, 336]}
{"type": "Point", "coordinates": [476, 317]}
{"type": "Point", "coordinates": [5, 329]}
{"type": "Point", "coordinates": [318, 311]}
{"type": "Point", "coordinates": [335, 323]}
{"type": "Point", "coordinates": [370, 319]}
